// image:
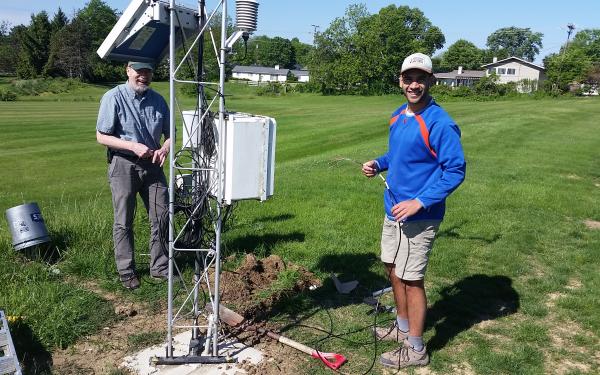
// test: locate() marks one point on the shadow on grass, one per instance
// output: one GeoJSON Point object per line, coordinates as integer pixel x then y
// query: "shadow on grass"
{"type": "Point", "coordinates": [467, 302]}
{"type": "Point", "coordinates": [261, 245]}
{"type": "Point", "coordinates": [453, 233]}
{"type": "Point", "coordinates": [274, 218]}
{"type": "Point", "coordinates": [49, 252]}
{"type": "Point", "coordinates": [350, 267]}
{"type": "Point", "coordinates": [32, 354]}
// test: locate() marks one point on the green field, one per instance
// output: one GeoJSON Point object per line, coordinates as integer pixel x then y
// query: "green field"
{"type": "Point", "coordinates": [513, 279]}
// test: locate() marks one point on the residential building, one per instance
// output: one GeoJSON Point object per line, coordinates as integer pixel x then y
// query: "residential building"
{"type": "Point", "coordinates": [266, 74]}
{"type": "Point", "coordinates": [514, 69]}
{"type": "Point", "coordinates": [301, 74]}
{"type": "Point", "coordinates": [459, 77]}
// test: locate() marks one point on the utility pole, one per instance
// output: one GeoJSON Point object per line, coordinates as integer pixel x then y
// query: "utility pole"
{"type": "Point", "coordinates": [570, 28]}
{"type": "Point", "coordinates": [315, 31]}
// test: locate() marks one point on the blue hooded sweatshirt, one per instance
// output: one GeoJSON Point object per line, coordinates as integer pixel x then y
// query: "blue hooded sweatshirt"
{"type": "Point", "coordinates": [425, 160]}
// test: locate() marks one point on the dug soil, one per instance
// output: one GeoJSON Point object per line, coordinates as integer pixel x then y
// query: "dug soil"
{"type": "Point", "coordinates": [251, 290]}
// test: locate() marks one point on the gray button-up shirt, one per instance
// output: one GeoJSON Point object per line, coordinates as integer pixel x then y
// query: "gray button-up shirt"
{"type": "Point", "coordinates": [137, 118]}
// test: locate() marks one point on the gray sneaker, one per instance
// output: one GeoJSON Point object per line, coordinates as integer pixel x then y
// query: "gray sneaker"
{"type": "Point", "coordinates": [390, 333]}
{"type": "Point", "coordinates": [405, 356]}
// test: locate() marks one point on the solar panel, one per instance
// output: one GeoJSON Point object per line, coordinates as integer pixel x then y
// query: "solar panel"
{"type": "Point", "coordinates": [142, 32]}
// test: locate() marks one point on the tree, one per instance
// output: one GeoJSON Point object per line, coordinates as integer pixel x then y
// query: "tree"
{"type": "Point", "coordinates": [8, 55]}
{"type": "Point", "coordinates": [35, 43]}
{"type": "Point", "coordinates": [489, 55]}
{"type": "Point", "coordinates": [4, 28]}
{"type": "Point", "coordinates": [274, 51]}
{"type": "Point", "coordinates": [301, 52]}
{"type": "Point", "coordinates": [462, 53]}
{"type": "Point", "coordinates": [332, 66]}
{"type": "Point", "coordinates": [99, 19]}
{"type": "Point", "coordinates": [589, 41]}
{"type": "Point", "coordinates": [577, 61]}
{"type": "Point", "coordinates": [572, 65]}
{"type": "Point", "coordinates": [70, 50]}
{"type": "Point", "coordinates": [362, 53]}
{"type": "Point", "coordinates": [518, 42]}
{"type": "Point", "coordinates": [59, 21]}
{"type": "Point", "coordinates": [265, 51]}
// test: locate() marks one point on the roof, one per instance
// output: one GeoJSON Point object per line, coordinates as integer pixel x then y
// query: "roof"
{"type": "Point", "coordinates": [259, 70]}
{"type": "Point", "coordinates": [299, 73]}
{"type": "Point", "coordinates": [513, 58]}
{"type": "Point", "coordinates": [465, 74]}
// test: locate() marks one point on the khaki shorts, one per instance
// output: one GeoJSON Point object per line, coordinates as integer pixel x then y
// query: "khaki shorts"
{"type": "Point", "coordinates": [407, 245]}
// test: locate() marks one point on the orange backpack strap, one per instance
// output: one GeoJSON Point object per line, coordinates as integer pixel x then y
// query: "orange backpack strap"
{"type": "Point", "coordinates": [425, 134]}
{"type": "Point", "coordinates": [393, 119]}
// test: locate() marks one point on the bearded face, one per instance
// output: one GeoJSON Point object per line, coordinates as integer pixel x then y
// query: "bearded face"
{"type": "Point", "coordinates": [139, 79]}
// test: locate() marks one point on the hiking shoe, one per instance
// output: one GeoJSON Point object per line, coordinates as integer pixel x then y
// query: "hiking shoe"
{"type": "Point", "coordinates": [405, 356]}
{"type": "Point", "coordinates": [130, 282]}
{"type": "Point", "coordinates": [390, 333]}
{"type": "Point", "coordinates": [165, 277]}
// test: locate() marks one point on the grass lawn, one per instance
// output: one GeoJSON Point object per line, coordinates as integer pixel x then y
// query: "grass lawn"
{"type": "Point", "coordinates": [513, 279]}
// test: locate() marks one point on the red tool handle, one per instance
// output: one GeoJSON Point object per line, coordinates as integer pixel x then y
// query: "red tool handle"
{"type": "Point", "coordinates": [331, 360]}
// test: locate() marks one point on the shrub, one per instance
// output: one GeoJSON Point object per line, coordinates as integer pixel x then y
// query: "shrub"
{"type": "Point", "coordinates": [440, 92]}
{"type": "Point", "coordinates": [7, 95]}
{"type": "Point", "coordinates": [461, 92]}
{"type": "Point", "coordinates": [39, 86]}
{"type": "Point", "coordinates": [274, 89]}
{"type": "Point", "coordinates": [307, 87]}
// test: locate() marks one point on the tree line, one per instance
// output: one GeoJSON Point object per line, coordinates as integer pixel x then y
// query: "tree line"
{"type": "Point", "coordinates": [358, 53]}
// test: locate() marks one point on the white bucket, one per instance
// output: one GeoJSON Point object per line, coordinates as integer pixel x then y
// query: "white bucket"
{"type": "Point", "coordinates": [26, 226]}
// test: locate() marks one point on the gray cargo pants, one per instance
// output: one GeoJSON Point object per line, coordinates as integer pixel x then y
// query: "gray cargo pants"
{"type": "Point", "coordinates": [129, 176]}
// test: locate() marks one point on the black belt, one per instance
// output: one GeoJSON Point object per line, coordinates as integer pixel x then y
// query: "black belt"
{"type": "Point", "coordinates": [131, 158]}
{"type": "Point", "coordinates": [127, 156]}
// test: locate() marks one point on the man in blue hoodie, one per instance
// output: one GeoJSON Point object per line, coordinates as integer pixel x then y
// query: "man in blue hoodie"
{"type": "Point", "coordinates": [424, 164]}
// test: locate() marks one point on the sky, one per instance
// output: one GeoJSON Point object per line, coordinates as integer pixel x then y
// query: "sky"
{"type": "Point", "coordinates": [471, 20]}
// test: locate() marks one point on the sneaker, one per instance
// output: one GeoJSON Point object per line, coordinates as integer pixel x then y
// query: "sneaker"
{"type": "Point", "coordinates": [130, 282]}
{"type": "Point", "coordinates": [405, 356]}
{"type": "Point", "coordinates": [390, 333]}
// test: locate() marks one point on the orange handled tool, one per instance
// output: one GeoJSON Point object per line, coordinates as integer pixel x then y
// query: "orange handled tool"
{"type": "Point", "coordinates": [331, 360]}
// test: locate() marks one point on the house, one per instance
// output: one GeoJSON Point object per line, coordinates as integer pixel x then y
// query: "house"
{"type": "Point", "coordinates": [301, 74]}
{"type": "Point", "coordinates": [266, 74]}
{"type": "Point", "coordinates": [459, 77]}
{"type": "Point", "coordinates": [514, 69]}
{"type": "Point", "coordinates": [260, 73]}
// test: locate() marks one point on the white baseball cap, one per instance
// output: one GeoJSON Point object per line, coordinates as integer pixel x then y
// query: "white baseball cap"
{"type": "Point", "coordinates": [417, 61]}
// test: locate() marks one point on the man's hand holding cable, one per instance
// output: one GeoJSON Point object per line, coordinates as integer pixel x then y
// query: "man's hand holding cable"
{"type": "Point", "coordinates": [406, 209]}
{"type": "Point", "coordinates": [141, 150]}
{"type": "Point", "coordinates": [369, 168]}
{"type": "Point", "coordinates": [160, 156]}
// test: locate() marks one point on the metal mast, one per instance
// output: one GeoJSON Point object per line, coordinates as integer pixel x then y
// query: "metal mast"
{"type": "Point", "coordinates": [195, 176]}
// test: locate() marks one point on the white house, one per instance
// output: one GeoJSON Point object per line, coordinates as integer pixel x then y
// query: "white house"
{"type": "Point", "coordinates": [301, 74]}
{"type": "Point", "coordinates": [514, 69]}
{"type": "Point", "coordinates": [265, 74]}
{"type": "Point", "coordinates": [459, 77]}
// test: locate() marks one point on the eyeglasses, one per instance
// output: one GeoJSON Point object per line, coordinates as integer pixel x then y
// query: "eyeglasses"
{"type": "Point", "coordinates": [421, 80]}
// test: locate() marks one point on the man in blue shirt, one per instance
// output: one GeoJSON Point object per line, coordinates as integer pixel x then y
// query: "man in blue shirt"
{"type": "Point", "coordinates": [424, 163]}
{"type": "Point", "coordinates": [131, 121]}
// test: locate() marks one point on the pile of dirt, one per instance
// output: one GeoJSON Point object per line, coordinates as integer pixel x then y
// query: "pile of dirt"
{"type": "Point", "coordinates": [250, 289]}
